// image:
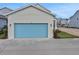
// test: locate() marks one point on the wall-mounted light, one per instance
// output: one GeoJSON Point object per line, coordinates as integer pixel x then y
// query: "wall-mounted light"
{"type": "Point", "coordinates": [50, 25]}
{"type": "Point", "coordinates": [10, 25]}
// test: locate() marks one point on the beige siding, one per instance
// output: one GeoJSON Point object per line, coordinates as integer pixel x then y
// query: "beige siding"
{"type": "Point", "coordinates": [29, 15]}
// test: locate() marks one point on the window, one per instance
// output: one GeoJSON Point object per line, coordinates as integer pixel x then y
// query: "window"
{"type": "Point", "coordinates": [77, 18]}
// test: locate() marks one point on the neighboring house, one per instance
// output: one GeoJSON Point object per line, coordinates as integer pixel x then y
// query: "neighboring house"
{"type": "Point", "coordinates": [62, 22]}
{"type": "Point", "coordinates": [74, 20]}
{"type": "Point", "coordinates": [3, 19]}
{"type": "Point", "coordinates": [58, 23]}
{"type": "Point", "coordinates": [32, 21]}
{"type": "Point", "coordinates": [5, 10]}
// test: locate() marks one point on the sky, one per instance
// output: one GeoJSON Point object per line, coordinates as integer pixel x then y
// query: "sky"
{"type": "Point", "coordinates": [61, 10]}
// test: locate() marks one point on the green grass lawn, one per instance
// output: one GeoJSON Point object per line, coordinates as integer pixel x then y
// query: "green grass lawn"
{"type": "Point", "coordinates": [61, 34]}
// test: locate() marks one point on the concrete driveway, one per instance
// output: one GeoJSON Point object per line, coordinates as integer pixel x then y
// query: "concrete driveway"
{"type": "Point", "coordinates": [72, 31]}
{"type": "Point", "coordinates": [46, 47]}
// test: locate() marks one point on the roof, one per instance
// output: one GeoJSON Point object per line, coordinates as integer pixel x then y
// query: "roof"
{"type": "Point", "coordinates": [2, 16]}
{"type": "Point", "coordinates": [41, 8]}
{"type": "Point", "coordinates": [75, 13]}
{"type": "Point", "coordinates": [5, 10]}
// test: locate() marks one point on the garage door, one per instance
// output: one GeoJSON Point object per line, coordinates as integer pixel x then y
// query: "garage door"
{"type": "Point", "coordinates": [31, 30]}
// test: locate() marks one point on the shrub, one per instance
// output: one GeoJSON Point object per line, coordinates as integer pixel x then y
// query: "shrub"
{"type": "Point", "coordinates": [4, 33]}
{"type": "Point", "coordinates": [55, 33]}
{"type": "Point", "coordinates": [1, 32]}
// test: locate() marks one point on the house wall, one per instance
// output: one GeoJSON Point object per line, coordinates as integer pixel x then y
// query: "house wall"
{"type": "Point", "coordinates": [2, 23]}
{"type": "Point", "coordinates": [29, 15]}
{"type": "Point", "coordinates": [74, 20]}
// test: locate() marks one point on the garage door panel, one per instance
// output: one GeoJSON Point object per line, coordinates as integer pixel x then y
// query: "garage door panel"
{"type": "Point", "coordinates": [33, 30]}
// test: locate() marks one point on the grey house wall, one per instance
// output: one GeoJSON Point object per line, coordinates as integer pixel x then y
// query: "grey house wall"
{"type": "Point", "coordinates": [74, 20]}
{"type": "Point", "coordinates": [3, 22]}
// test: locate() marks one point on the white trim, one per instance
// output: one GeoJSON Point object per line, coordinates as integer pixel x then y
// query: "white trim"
{"type": "Point", "coordinates": [32, 5]}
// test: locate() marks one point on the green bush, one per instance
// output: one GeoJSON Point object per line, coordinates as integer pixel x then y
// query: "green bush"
{"type": "Point", "coordinates": [55, 33]}
{"type": "Point", "coordinates": [1, 32]}
{"type": "Point", "coordinates": [4, 33]}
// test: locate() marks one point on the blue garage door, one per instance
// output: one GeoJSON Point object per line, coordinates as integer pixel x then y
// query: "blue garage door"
{"type": "Point", "coordinates": [31, 30]}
